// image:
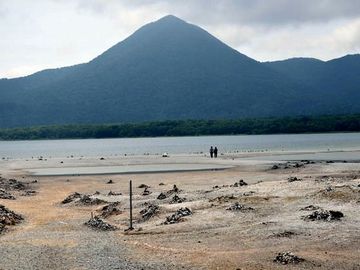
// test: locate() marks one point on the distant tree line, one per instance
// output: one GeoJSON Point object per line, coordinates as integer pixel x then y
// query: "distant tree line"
{"type": "Point", "coordinates": [303, 124]}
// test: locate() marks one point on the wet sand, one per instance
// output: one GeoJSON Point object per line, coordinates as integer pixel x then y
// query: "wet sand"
{"type": "Point", "coordinates": [53, 235]}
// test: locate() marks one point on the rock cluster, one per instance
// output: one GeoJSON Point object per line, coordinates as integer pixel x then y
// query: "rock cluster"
{"type": "Point", "coordinates": [240, 183]}
{"type": "Point", "coordinates": [87, 200]}
{"type": "Point", "coordinates": [288, 257]}
{"type": "Point", "coordinates": [11, 184]}
{"type": "Point", "coordinates": [293, 179]}
{"type": "Point", "coordinates": [324, 215]}
{"type": "Point", "coordinates": [72, 197]}
{"type": "Point", "coordinates": [177, 199]}
{"type": "Point", "coordinates": [110, 210]}
{"type": "Point", "coordinates": [148, 212]}
{"type": "Point", "coordinates": [97, 223]}
{"type": "Point", "coordinates": [6, 195]}
{"type": "Point", "coordinates": [8, 186]}
{"type": "Point", "coordinates": [178, 216]}
{"type": "Point", "coordinates": [162, 196]}
{"type": "Point", "coordinates": [8, 218]}
{"type": "Point", "coordinates": [239, 207]}
{"type": "Point", "coordinates": [82, 199]}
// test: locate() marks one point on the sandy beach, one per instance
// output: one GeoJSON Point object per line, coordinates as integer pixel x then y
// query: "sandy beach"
{"type": "Point", "coordinates": [244, 210]}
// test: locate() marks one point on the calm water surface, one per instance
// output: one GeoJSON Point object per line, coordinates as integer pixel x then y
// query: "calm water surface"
{"type": "Point", "coordinates": [179, 145]}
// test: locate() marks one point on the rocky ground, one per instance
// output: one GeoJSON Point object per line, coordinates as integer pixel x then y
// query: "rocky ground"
{"type": "Point", "coordinates": [303, 215]}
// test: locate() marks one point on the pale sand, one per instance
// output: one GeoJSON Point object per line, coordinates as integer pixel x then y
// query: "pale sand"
{"type": "Point", "coordinates": [53, 236]}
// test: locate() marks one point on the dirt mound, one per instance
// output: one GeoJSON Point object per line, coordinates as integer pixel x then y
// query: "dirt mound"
{"type": "Point", "coordinates": [239, 207]}
{"type": "Point", "coordinates": [6, 195]}
{"type": "Point", "coordinates": [148, 212]}
{"type": "Point", "coordinates": [339, 193]}
{"type": "Point", "coordinates": [87, 200]}
{"type": "Point", "coordinates": [8, 217]}
{"type": "Point", "coordinates": [178, 216]}
{"type": "Point", "coordinates": [98, 224]}
{"type": "Point", "coordinates": [82, 199]}
{"type": "Point", "coordinates": [288, 257]}
{"type": "Point", "coordinates": [72, 197]}
{"type": "Point", "coordinates": [12, 184]}
{"type": "Point", "coordinates": [177, 199]}
{"type": "Point", "coordinates": [324, 215]}
{"type": "Point", "coordinates": [110, 210]}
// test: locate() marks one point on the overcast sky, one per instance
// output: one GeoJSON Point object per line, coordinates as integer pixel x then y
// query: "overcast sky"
{"type": "Point", "coordinates": [40, 34]}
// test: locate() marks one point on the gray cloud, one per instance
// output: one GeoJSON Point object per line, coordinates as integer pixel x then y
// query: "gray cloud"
{"type": "Point", "coordinates": [243, 11]}
{"type": "Point", "coordinates": [53, 33]}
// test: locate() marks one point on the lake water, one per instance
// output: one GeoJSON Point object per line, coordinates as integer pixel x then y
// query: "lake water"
{"type": "Point", "coordinates": [179, 145]}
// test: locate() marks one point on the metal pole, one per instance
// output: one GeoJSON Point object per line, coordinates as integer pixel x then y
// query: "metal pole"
{"type": "Point", "coordinates": [131, 221]}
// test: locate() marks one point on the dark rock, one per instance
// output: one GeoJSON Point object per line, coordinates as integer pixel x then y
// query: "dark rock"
{"type": "Point", "coordinates": [148, 212]}
{"type": "Point", "coordinates": [102, 158]}
{"type": "Point", "coordinates": [178, 216]}
{"type": "Point", "coordinates": [98, 224]}
{"type": "Point", "coordinates": [161, 184]}
{"type": "Point", "coordinates": [110, 182]}
{"type": "Point", "coordinates": [239, 207]}
{"type": "Point", "coordinates": [146, 192]}
{"type": "Point", "coordinates": [293, 179]}
{"type": "Point", "coordinates": [240, 183]}
{"type": "Point", "coordinates": [249, 193]}
{"type": "Point", "coordinates": [275, 167]}
{"type": "Point", "coordinates": [324, 215]}
{"type": "Point", "coordinates": [288, 257]}
{"type": "Point", "coordinates": [177, 199]}
{"type": "Point", "coordinates": [143, 186]}
{"type": "Point", "coordinates": [161, 196]}
{"type": "Point", "coordinates": [97, 193]}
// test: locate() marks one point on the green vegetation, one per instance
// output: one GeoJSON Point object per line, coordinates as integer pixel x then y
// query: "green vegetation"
{"type": "Point", "coordinates": [345, 123]}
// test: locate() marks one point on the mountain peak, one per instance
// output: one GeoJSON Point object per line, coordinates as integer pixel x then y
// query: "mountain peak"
{"type": "Point", "coordinates": [170, 18]}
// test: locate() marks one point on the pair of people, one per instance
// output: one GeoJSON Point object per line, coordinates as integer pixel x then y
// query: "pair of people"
{"type": "Point", "coordinates": [213, 152]}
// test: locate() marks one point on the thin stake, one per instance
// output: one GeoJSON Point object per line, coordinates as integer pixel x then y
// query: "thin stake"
{"type": "Point", "coordinates": [131, 221]}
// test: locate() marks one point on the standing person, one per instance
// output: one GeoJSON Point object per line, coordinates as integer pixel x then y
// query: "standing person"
{"type": "Point", "coordinates": [215, 152]}
{"type": "Point", "coordinates": [211, 151]}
